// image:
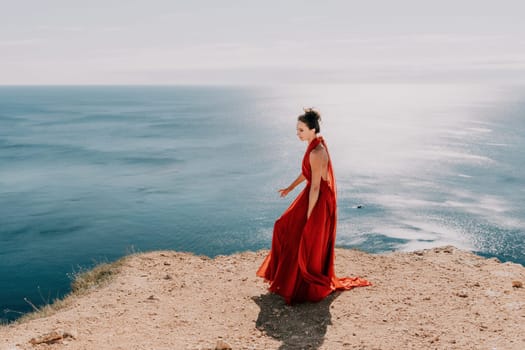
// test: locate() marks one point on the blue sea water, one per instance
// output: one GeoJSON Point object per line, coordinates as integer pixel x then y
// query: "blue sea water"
{"type": "Point", "coordinates": [89, 174]}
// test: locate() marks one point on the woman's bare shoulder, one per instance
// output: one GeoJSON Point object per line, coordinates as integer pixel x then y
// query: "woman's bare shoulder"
{"type": "Point", "coordinates": [319, 152]}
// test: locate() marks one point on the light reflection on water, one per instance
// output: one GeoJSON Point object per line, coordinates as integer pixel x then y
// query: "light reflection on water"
{"type": "Point", "coordinates": [428, 165]}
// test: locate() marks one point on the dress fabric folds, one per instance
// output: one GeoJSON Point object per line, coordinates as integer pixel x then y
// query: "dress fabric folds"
{"type": "Point", "coordinates": [300, 265]}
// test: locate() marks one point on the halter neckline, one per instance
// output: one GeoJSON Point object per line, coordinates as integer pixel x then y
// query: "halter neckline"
{"type": "Point", "coordinates": [314, 143]}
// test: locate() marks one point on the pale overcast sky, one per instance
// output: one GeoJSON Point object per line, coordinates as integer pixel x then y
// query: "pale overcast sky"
{"type": "Point", "coordinates": [260, 42]}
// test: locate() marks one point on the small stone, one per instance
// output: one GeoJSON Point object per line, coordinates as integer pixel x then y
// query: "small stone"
{"type": "Point", "coordinates": [52, 338]}
{"type": "Point", "coordinates": [222, 345]}
{"type": "Point", "coordinates": [71, 334]}
{"type": "Point", "coordinates": [462, 294]}
{"type": "Point", "coordinates": [517, 284]}
{"type": "Point", "coordinates": [167, 263]}
{"type": "Point", "coordinates": [49, 338]}
{"type": "Point", "coordinates": [167, 277]}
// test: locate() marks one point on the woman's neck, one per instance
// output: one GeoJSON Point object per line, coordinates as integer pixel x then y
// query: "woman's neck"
{"type": "Point", "coordinates": [313, 138]}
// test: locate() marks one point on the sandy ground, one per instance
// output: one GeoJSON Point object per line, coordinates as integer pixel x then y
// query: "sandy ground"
{"type": "Point", "coordinates": [441, 298]}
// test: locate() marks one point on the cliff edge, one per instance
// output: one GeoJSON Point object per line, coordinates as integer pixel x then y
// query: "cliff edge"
{"type": "Point", "coordinates": [441, 298]}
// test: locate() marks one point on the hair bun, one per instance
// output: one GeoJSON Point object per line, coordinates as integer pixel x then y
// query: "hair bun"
{"type": "Point", "coordinates": [311, 114]}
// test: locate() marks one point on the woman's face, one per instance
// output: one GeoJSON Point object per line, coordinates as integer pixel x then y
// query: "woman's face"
{"type": "Point", "coordinates": [303, 132]}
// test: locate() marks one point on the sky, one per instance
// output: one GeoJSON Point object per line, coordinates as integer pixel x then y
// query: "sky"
{"type": "Point", "coordinates": [260, 42]}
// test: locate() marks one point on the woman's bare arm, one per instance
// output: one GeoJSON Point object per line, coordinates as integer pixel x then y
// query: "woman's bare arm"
{"type": "Point", "coordinates": [285, 191]}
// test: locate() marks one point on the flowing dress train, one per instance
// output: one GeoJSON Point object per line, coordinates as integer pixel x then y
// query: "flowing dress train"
{"type": "Point", "coordinates": [300, 265]}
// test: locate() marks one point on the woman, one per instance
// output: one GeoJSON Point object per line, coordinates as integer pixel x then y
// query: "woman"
{"type": "Point", "coordinates": [300, 265]}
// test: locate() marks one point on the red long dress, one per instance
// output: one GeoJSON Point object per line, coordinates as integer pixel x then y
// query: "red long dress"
{"type": "Point", "coordinates": [300, 265]}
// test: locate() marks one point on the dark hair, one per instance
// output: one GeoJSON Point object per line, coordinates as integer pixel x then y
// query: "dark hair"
{"type": "Point", "coordinates": [311, 118]}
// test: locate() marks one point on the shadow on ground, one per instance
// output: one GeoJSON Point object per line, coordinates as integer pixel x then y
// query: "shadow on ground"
{"type": "Point", "coordinates": [301, 326]}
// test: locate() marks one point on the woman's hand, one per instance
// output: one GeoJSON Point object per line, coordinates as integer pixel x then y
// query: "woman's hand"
{"type": "Point", "coordinates": [284, 191]}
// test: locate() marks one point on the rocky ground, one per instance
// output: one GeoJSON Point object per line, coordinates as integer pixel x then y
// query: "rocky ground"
{"type": "Point", "coordinates": [441, 298]}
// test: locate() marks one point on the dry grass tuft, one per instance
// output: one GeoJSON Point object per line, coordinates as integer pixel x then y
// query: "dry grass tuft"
{"type": "Point", "coordinates": [83, 282]}
{"type": "Point", "coordinates": [100, 274]}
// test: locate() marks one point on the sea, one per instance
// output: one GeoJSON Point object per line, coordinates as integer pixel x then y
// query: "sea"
{"type": "Point", "coordinates": [89, 174]}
